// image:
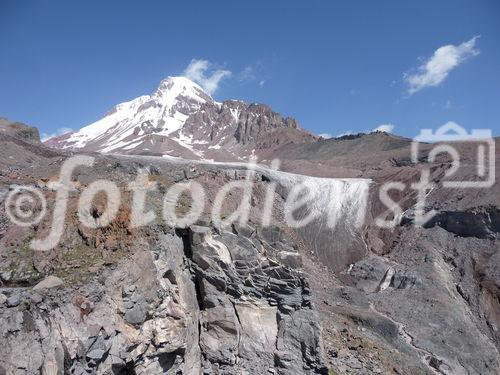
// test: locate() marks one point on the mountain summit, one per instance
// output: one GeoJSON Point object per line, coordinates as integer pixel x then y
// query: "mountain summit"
{"type": "Point", "coordinates": [181, 119]}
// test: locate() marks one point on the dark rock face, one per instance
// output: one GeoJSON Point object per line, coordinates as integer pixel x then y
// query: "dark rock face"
{"type": "Point", "coordinates": [258, 119]}
{"type": "Point", "coordinates": [242, 129]}
{"type": "Point", "coordinates": [480, 224]}
{"type": "Point", "coordinates": [256, 314]}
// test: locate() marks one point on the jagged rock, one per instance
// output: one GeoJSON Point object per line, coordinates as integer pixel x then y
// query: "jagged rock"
{"type": "Point", "coordinates": [3, 299]}
{"type": "Point", "coordinates": [402, 280]}
{"type": "Point", "coordinates": [387, 279]}
{"type": "Point", "coordinates": [240, 248]}
{"type": "Point", "coordinates": [240, 301]}
{"type": "Point", "coordinates": [480, 223]}
{"type": "Point", "coordinates": [19, 130]}
{"type": "Point", "coordinates": [270, 234]}
{"type": "Point", "coordinates": [243, 230]}
{"type": "Point", "coordinates": [199, 234]}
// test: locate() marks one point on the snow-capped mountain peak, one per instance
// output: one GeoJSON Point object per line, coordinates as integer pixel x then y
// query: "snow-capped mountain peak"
{"type": "Point", "coordinates": [179, 118]}
{"type": "Point", "coordinates": [180, 86]}
{"type": "Point", "coordinates": [163, 112]}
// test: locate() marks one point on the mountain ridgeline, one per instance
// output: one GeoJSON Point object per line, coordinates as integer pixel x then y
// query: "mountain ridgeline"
{"type": "Point", "coordinates": [180, 119]}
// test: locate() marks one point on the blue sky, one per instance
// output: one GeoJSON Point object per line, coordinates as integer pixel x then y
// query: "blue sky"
{"type": "Point", "coordinates": [335, 66]}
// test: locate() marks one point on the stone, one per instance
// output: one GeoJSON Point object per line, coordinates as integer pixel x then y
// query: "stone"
{"type": "Point", "coordinates": [270, 233]}
{"type": "Point", "coordinates": [3, 298]}
{"type": "Point", "coordinates": [199, 234]}
{"type": "Point", "coordinates": [128, 304]}
{"type": "Point", "coordinates": [5, 275]}
{"type": "Point", "coordinates": [240, 248]}
{"type": "Point", "coordinates": [354, 363]}
{"type": "Point", "coordinates": [244, 230]}
{"type": "Point", "coordinates": [137, 314]}
{"type": "Point", "coordinates": [129, 289]}
{"type": "Point", "coordinates": [36, 298]}
{"type": "Point", "coordinates": [96, 354]}
{"type": "Point", "coordinates": [14, 300]}
{"type": "Point", "coordinates": [48, 283]}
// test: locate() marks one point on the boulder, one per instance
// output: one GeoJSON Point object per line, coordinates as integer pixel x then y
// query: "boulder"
{"type": "Point", "coordinates": [48, 283]}
{"type": "Point", "coordinates": [14, 300]}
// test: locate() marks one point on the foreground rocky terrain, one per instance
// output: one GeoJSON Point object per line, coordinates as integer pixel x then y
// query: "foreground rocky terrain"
{"type": "Point", "coordinates": [250, 298]}
{"type": "Point", "coordinates": [154, 300]}
{"type": "Point", "coordinates": [183, 302]}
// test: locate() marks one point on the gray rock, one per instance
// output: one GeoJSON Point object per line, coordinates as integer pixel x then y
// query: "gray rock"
{"type": "Point", "coordinates": [96, 354]}
{"type": "Point", "coordinates": [36, 298]}
{"type": "Point", "coordinates": [48, 283]}
{"type": "Point", "coordinates": [220, 332]}
{"type": "Point", "coordinates": [137, 314]}
{"type": "Point", "coordinates": [243, 230]}
{"type": "Point", "coordinates": [14, 300]}
{"type": "Point", "coordinates": [5, 275]}
{"type": "Point", "coordinates": [128, 304]}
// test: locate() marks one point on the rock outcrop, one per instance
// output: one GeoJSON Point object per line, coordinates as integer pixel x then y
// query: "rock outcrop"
{"type": "Point", "coordinates": [186, 301]}
{"type": "Point", "coordinates": [19, 130]}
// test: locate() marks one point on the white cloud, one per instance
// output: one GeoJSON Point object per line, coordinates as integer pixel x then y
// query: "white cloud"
{"type": "Point", "coordinates": [252, 73]}
{"type": "Point", "coordinates": [197, 72]}
{"type": "Point", "coordinates": [443, 61]}
{"type": "Point", "coordinates": [247, 74]}
{"type": "Point", "coordinates": [326, 135]}
{"type": "Point", "coordinates": [347, 132]}
{"type": "Point", "coordinates": [58, 132]}
{"type": "Point", "coordinates": [388, 128]}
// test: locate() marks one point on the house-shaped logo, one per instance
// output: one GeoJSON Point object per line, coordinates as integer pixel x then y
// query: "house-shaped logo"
{"type": "Point", "coordinates": [447, 139]}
